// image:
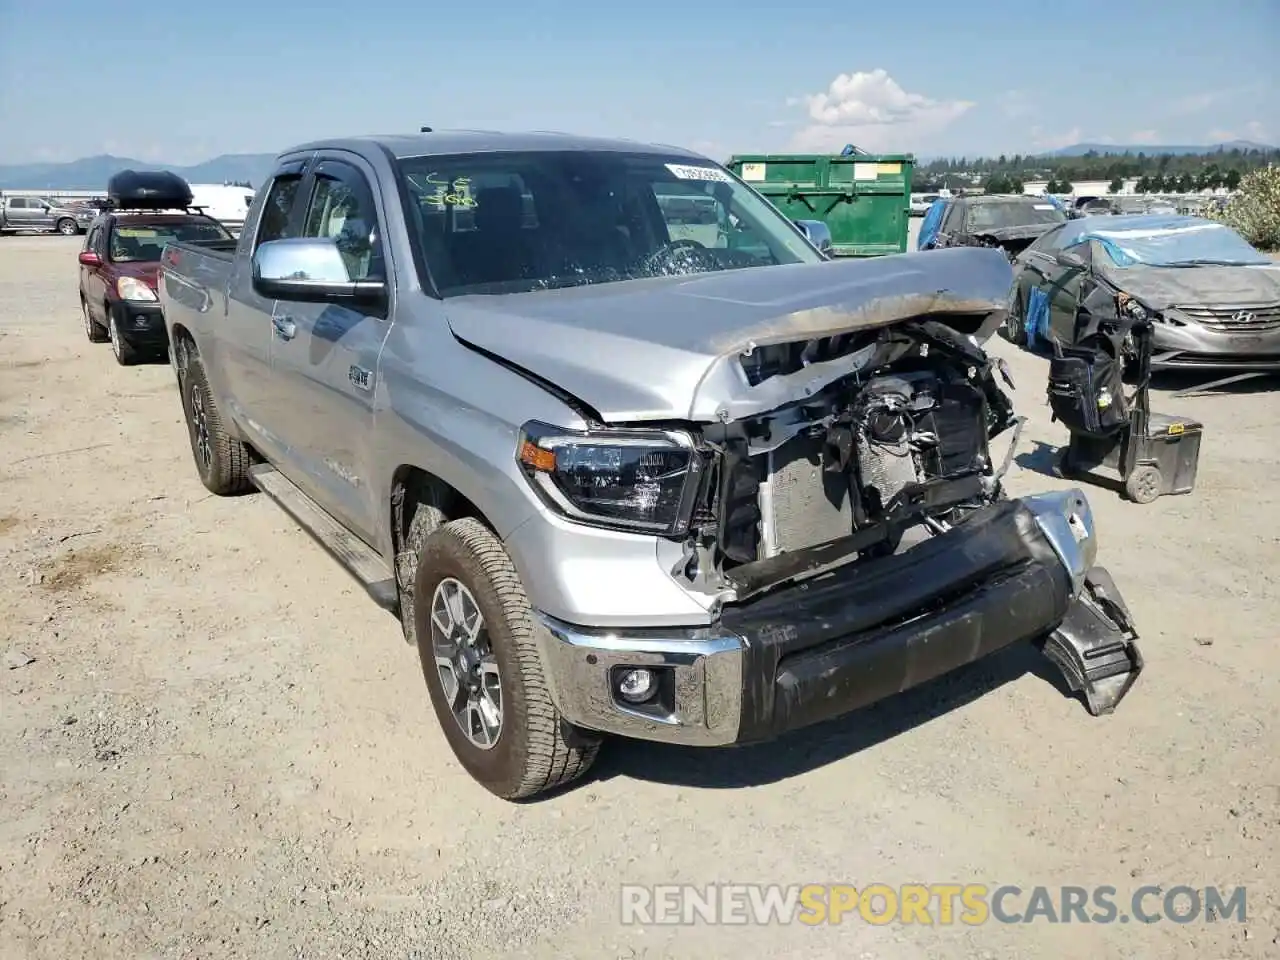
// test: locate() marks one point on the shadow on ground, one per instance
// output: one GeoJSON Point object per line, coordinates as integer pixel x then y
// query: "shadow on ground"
{"type": "Point", "coordinates": [804, 750]}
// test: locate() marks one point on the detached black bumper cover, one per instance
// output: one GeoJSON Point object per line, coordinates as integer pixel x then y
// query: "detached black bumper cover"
{"type": "Point", "coordinates": [824, 647]}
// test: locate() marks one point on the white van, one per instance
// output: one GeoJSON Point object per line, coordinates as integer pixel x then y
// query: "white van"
{"type": "Point", "coordinates": [228, 204]}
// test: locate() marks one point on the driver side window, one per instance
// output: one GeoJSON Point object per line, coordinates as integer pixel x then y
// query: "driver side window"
{"type": "Point", "coordinates": [342, 210]}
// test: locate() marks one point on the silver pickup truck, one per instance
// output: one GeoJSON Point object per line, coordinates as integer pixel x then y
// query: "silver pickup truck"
{"type": "Point", "coordinates": [615, 479]}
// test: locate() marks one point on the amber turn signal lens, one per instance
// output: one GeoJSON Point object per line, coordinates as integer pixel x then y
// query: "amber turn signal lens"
{"type": "Point", "coordinates": [534, 456]}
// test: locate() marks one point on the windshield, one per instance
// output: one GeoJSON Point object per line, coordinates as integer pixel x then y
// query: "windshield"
{"type": "Point", "coordinates": [133, 243]}
{"type": "Point", "coordinates": [1181, 242]}
{"type": "Point", "coordinates": [513, 222]}
{"type": "Point", "coordinates": [996, 216]}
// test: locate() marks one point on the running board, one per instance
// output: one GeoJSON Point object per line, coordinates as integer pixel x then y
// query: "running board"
{"type": "Point", "coordinates": [1096, 645]}
{"type": "Point", "coordinates": [357, 557]}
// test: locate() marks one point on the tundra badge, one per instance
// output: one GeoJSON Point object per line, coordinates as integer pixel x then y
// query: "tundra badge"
{"type": "Point", "coordinates": [360, 377]}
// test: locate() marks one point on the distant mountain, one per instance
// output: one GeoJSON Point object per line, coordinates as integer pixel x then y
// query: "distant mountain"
{"type": "Point", "coordinates": [92, 173]}
{"type": "Point", "coordinates": [1151, 149]}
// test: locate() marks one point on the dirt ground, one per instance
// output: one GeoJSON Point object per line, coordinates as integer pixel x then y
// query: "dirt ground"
{"type": "Point", "coordinates": [213, 745]}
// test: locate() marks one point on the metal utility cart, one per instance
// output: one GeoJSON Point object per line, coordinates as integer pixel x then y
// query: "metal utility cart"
{"type": "Point", "coordinates": [1151, 454]}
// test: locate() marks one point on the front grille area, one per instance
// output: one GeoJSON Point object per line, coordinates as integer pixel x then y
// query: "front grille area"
{"type": "Point", "coordinates": [1236, 319]}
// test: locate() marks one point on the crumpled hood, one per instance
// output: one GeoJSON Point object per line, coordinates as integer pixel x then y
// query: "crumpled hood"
{"type": "Point", "coordinates": [668, 348]}
{"type": "Point", "coordinates": [1208, 286]}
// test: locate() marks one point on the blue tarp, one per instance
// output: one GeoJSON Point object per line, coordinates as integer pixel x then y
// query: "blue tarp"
{"type": "Point", "coordinates": [1162, 240]}
{"type": "Point", "coordinates": [929, 225]}
{"type": "Point", "coordinates": [1037, 318]}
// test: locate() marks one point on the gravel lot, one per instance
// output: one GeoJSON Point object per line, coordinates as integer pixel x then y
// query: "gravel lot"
{"type": "Point", "coordinates": [213, 745]}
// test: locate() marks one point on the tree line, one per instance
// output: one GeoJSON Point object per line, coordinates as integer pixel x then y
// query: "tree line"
{"type": "Point", "coordinates": [1155, 173]}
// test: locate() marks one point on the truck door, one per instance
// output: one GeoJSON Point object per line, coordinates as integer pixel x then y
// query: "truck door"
{"type": "Point", "coordinates": [245, 362]}
{"type": "Point", "coordinates": [23, 213]}
{"type": "Point", "coordinates": [325, 355]}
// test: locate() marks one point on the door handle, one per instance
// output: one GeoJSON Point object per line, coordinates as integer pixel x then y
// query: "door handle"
{"type": "Point", "coordinates": [285, 328]}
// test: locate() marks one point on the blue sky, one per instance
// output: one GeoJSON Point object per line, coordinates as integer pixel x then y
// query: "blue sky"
{"type": "Point", "coordinates": [181, 83]}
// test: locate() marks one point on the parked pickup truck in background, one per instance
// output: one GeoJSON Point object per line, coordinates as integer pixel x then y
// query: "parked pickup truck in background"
{"type": "Point", "coordinates": [696, 491]}
{"type": "Point", "coordinates": [38, 214]}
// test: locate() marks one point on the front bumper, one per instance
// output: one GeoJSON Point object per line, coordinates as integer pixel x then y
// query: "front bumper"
{"type": "Point", "coordinates": [141, 323]}
{"type": "Point", "coordinates": [1018, 571]}
{"type": "Point", "coordinates": [1194, 347]}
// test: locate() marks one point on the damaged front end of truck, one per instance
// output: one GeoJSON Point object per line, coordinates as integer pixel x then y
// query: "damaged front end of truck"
{"type": "Point", "coordinates": [836, 489]}
{"type": "Point", "coordinates": [860, 475]}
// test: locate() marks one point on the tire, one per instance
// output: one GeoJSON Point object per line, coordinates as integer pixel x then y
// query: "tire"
{"type": "Point", "coordinates": [426, 519]}
{"type": "Point", "coordinates": [1143, 485]}
{"type": "Point", "coordinates": [1014, 328]}
{"type": "Point", "coordinates": [126, 354]}
{"type": "Point", "coordinates": [221, 461]}
{"type": "Point", "coordinates": [534, 750]}
{"type": "Point", "coordinates": [67, 227]}
{"type": "Point", "coordinates": [95, 331]}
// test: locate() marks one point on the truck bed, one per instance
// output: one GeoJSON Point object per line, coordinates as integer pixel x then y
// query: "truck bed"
{"type": "Point", "coordinates": [194, 277]}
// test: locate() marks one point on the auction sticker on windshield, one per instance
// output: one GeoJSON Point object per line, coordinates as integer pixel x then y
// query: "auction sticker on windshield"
{"type": "Point", "coordinates": [1043, 206]}
{"type": "Point", "coordinates": [685, 172]}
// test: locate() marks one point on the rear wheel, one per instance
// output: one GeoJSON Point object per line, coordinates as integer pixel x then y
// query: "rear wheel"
{"type": "Point", "coordinates": [221, 461]}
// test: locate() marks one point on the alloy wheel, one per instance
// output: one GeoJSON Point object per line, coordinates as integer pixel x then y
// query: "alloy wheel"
{"type": "Point", "coordinates": [200, 426]}
{"type": "Point", "coordinates": [465, 663]}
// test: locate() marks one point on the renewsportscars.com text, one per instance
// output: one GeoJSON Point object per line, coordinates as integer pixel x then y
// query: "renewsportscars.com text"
{"type": "Point", "coordinates": [943, 904]}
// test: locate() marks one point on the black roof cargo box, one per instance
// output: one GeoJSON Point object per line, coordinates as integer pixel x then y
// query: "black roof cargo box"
{"type": "Point", "coordinates": [148, 190]}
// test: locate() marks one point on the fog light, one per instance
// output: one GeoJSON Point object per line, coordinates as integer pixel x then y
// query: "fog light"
{"type": "Point", "coordinates": [637, 686]}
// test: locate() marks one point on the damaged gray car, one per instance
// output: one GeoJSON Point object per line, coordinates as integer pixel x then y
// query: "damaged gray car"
{"type": "Point", "coordinates": [1211, 299]}
{"type": "Point", "coordinates": [618, 479]}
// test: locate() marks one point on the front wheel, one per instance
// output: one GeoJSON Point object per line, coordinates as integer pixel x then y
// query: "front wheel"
{"type": "Point", "coordinates": [67, 227]}
{"type": "Point", "coordinates": [92, 328]}
{"type": "Point", "coordinates": [474, 630]}
{"type": "Point", "coordinates": [1015, 322]}
{"type": "Point", "coordinates": [126, 353]}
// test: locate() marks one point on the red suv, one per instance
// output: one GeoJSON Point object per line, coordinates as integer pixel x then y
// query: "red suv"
{"type": "Point", "coordinates": [118, 269]}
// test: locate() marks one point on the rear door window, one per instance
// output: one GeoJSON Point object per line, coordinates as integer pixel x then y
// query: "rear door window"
{"type": "Point", "coordinates": [275, 223]}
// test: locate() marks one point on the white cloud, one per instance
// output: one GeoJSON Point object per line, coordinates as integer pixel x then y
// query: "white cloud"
{"type": "Point", "coordinates": [1144, 136]}
{"type": "Point", "coordinates": [1218, 135]}
{"type": "Point", "coordinates": [1254, 130]}
{"type": "Point", "coordinates": [871, 110]}
{"type": "Point", "coordinates": [1044, 140]}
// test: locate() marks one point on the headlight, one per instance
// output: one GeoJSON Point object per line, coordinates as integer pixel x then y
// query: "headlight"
{"type": "Point", "coordinates": [131, 288]}
{"type": "Point", "coordinates": [626, 479]}
{"type": "Point", "coordinates": [1135, 310]}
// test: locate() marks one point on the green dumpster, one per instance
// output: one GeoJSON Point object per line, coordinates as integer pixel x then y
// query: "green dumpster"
{"type": "Point", "coordinates": [863, 199]}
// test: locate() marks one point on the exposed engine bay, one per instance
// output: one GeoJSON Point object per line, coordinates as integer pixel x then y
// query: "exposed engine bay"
{"type": "Point", "coordinates": [900, 446]}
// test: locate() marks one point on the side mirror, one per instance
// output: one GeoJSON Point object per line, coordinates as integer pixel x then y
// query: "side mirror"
{"type": "Point", "coordinates": [817, 233]}
{"type": "Point", "coordinates": [309, 270]}
{"type": "Point", "coordinates": [1073, 260]}
{"type": "Point", "coordinates": [90, 259]}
